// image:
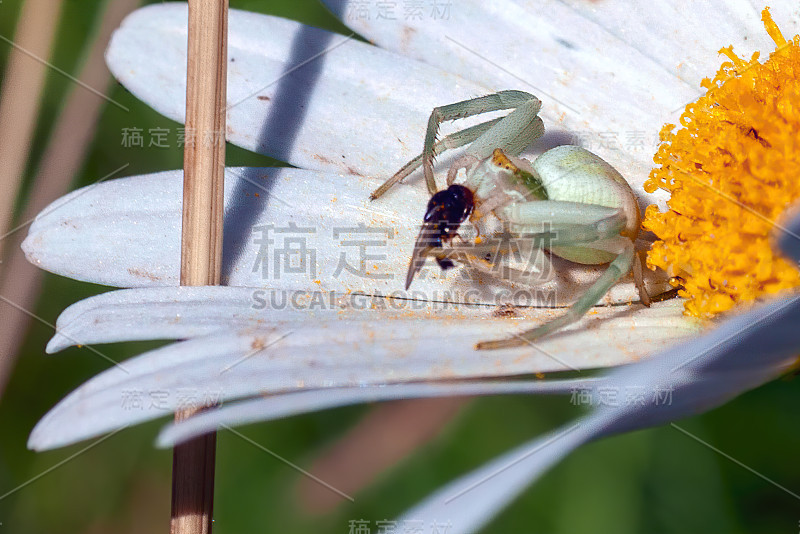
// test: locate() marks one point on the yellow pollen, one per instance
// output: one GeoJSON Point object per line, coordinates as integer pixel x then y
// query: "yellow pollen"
{"type": "Point", "coordinates": [732, 168]}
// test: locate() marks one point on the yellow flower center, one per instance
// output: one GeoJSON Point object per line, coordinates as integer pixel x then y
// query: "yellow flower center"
{"type": "Point", "coordinates": [732, 169]}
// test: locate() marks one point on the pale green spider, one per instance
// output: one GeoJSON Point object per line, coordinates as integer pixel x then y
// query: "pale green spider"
{"type": "Point", "coordinates": [592, 211]}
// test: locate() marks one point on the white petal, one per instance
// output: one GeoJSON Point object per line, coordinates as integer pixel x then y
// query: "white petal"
{"type": "Point", "coordinates": [250, 411]}
{"type": "Point", "coordinates": [609, 72]}
{"type": "Point", "coordinates": [705, 373]}
{"type": "Point", "coordinates": [126, 232]}
{"type": "Point", "coordinates": [343, 354]}
{"type": "Point", "coordinates": [472, 500]}
{"type": "Point", "coordinates": [313, 98]}
{"type": "Point", "coordinates": [692, 378]}
{"type": "Point", "coordinates": [186, 312]}
{"type": "Point", "coordinates": [683, 36]}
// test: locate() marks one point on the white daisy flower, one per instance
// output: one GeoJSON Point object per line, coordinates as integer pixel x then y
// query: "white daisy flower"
{"type": "Point", "coordinates": [313, 307]}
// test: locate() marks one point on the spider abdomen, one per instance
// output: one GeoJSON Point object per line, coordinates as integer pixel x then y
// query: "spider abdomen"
{"type": "Point", "coordinates": [573, 174]}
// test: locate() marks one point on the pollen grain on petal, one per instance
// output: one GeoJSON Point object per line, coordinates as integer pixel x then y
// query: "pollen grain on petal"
{"type": "Point", "coordinates": [731, 169]}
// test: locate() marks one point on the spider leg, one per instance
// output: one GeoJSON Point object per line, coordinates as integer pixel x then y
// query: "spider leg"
{"type": "Point", "coordinates": [526, 277]}
{"type": "Point", "coordinates": [464, 162]}
{"type": "Point", "coordinates": [512, 133]}
{"type": "Point", "coordinates": [454, 140]}
{"type": "Point", "coordinates": [618, 268]}
{"type": "Point", "coordinates": [473, 256]}
{"type": "Point", "coordinates": [638, 279]}
{"type": "Point", "coordinates": [587, 232]}
{"type": "Point", "coordinates": [570, 223]}
{"type": "Point", "coordinates": [582, 228]}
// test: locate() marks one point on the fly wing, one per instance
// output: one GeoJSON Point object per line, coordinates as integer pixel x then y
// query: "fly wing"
{"type": "Point", "coordinates": [429, 238]}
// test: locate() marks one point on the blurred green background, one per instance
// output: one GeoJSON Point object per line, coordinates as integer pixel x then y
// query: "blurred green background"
{"type": "Point", "coordinates": [652, 481]}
